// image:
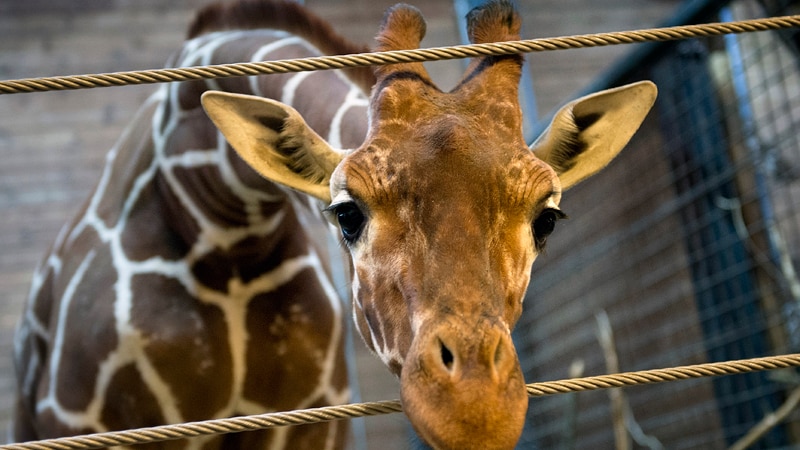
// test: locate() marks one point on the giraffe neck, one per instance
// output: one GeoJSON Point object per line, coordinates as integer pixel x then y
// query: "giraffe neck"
{"type": "Point", "coordinates": [217, 200]}
{"type": "Point", "coordinates": [184, 250]}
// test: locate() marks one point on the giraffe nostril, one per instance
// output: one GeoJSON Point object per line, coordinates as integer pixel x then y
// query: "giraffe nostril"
{"type": "Point", "coordinates": [499, 354]}
{"type": "Point", "coordinates": [446, 356]}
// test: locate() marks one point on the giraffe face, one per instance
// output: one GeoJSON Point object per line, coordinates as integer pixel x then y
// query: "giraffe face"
{"type": "Point", "coordinates": [442, 227]}
{"type": "Point", "coordinates": [448, 219]}
{"type": "Point", "coordinates": [443, 210]}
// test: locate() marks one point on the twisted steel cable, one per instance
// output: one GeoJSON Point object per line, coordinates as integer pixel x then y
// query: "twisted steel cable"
{"type": "Point", "coordinates": [211, 427]}
{"type": "Point", "coordinates": [325, 414]}
{"type": "Point", "coordinates": [393, 57]}
{"type": "Point", "coordinates": [663, 375]}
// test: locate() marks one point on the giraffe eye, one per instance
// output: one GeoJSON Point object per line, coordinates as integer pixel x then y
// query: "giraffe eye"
{"type": "Point", "coordinates": [351, 220]}
{"type": "Point", "coordinates": [544, 225]}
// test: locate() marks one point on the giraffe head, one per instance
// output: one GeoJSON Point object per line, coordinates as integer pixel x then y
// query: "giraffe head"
{"type": "Point", "coordinates": [443, 209]}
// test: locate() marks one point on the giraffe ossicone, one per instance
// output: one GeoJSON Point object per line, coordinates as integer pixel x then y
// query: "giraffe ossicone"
{"type": "Point", "coordinates": [443, 209]}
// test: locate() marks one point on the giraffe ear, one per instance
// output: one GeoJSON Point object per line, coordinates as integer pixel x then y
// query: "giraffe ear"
{"type": "Point", "coordinates": [588, 133]}
{"type": "Point", "coordinates": [275, 141]}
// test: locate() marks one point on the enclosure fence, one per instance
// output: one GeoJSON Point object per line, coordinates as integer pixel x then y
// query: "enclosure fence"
{"type": "Point", "coordinates": [574, 384]}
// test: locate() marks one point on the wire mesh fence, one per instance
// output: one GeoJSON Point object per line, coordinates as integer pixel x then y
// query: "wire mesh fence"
{"type": "Point", "coordinates": [689, 244]}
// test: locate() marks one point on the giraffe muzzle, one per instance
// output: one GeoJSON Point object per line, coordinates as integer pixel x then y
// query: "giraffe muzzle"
{"type": "Point", "coordinates": [462, 386]}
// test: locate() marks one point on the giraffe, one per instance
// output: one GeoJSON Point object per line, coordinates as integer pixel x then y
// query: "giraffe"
{"type": "Point", "coordinates": [147, 306]}
{"type": "Point", "coordinates": [188, 287]}
{"type": "Point", "coordinates": [443, 209]}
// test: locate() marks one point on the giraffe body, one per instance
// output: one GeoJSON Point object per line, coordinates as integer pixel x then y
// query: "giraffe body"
{"type": "Point", "coordinates": [188, 287]}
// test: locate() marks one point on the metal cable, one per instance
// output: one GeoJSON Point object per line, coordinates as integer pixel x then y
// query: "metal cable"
{"type": "Point", "coordinates": [325, 414]}
{"type": "Point", "coordinates": [212, 427]}
{"type": "Point", "coordinates": [663, 375]}
{"type": "Point", "coordinates": [392, 57]}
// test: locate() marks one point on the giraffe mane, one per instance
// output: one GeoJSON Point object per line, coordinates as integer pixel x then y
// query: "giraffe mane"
{"type": "Point", "coordinates": [285, 15]}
